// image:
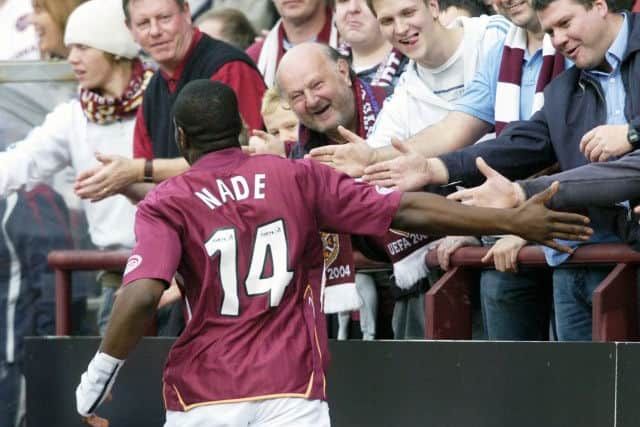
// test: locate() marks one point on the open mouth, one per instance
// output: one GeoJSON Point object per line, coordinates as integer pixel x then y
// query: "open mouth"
{"type": "Point", "coordinates": [323, 110]}
{"type": "Point", "coordinates": [572, 52]}
{"type": "Point", "coordinates": [409, 40]}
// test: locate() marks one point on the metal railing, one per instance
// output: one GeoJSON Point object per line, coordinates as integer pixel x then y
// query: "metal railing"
{"type": "Point", "coordinates": [65, 262]}
{"type": "Point", "coordinates": [615, 309]}
{"type": "Point", "coordinates": [448, 302]}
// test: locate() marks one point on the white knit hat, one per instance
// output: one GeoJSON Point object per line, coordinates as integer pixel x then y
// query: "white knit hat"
{"type": "Point", "coordinates": [100, 24]}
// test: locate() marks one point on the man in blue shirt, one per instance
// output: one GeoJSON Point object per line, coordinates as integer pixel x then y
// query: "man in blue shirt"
{"type": "Point", "coordinates": [595, 104]}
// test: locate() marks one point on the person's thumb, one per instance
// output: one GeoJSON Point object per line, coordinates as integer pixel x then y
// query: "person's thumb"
{"type": "Point", "coordinates": [103, 158]}
{"type": "Point", "coordinates": [547, 194]}
{"type": "Point", "coordinates": [399, 145]}
{"type": "Point", "coordinates": [485, 169]}
{"type": "Point", "coordinates": [349, 136]}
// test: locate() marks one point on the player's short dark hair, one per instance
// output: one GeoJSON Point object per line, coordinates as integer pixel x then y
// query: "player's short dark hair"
{"type": "Point", "coordinates": [125, 7]}
{"type": "Point", "coordinates": [207, 112]}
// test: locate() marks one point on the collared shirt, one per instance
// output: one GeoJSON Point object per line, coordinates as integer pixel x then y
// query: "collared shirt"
{"type": "Point", "coordinates": [611, 82]}
{"type": "Point", "coordinates": [479, 99]}
{"type": "Point", "coordinates": [615, 97]}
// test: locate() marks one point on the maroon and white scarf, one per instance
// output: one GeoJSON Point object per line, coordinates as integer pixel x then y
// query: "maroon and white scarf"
{"type": "Point", "coordinates": [339, 290]}
{"type": "Point", "coordinates": [406, 251]}
{"type": "Point", "coordinates": [104, 110]}
{"type": "Point", "coordinates": [510, 76]}
{"type": "Point", "coordinates": [390, 67]}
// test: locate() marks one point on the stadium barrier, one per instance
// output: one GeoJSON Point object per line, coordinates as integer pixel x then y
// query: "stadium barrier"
{"type": "Point", "coordinates": [448, 302]}
{"type": "Point", "coordinates": [65, 262]}
{"type": "Point", "coordinates": [382, 383]}
{"type": "Point", "coordinates": [615, 301]}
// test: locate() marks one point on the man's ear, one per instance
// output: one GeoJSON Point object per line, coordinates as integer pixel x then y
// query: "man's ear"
{"type": "Point", "coordinates": [344, 70]}
{"type": "Point", "coordinates": [434, 8]}
{"type": "Point", "coordinates": [181, 139]}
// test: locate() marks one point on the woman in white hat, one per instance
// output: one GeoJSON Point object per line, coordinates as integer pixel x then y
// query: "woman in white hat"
{"type": "Point", "coordinates": [111, 83]}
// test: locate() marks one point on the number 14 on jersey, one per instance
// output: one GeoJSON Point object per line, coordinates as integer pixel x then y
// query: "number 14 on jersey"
{"type": "Point", "coordinates": [270, 239]}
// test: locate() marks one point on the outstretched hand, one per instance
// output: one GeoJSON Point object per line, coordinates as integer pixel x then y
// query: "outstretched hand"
{"type": "Point", "coordinates": [496, 192]}
{"type": "Point", "coordinates": [407, 172]}
{"type": "Point", "coordinates": [111, 176]}
{"type": "Point", "coordinates": [350, 158]}
{"type": "Point", "coordinates": [533, 221]}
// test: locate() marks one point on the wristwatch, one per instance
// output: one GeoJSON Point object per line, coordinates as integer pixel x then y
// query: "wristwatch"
{"type": "Point", "coordinates": [633, 136]}
{"type": "Point", "coordinates": [148, 171]}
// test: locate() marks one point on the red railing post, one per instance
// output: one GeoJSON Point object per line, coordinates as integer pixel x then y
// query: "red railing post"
{"type": "Point", "coordinates": [64, 262]}
{"type": "Point", "coordinates": [615, 306]}
{"type": "Point", "coordinates": [448, 305]}
{"type": "Point", "coordinates": [615, 310]}
{"type": "Point", "coordinates": [63, 302]}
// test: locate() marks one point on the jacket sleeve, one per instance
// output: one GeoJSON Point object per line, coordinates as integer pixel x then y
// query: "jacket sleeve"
{"type": "Point", "coordinates": [596, 184]}
{"type": "Point", "coordinates": [523, 149]}
{"type": "Point", "coordinates": [41, 154]}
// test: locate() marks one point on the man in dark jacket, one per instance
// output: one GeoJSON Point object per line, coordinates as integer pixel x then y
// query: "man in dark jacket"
{"type": "Point", "coordinates": [592, 114]}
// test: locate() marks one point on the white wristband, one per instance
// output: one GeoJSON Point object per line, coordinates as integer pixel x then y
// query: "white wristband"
{"type": "Point", "coordinates": [96, 382]}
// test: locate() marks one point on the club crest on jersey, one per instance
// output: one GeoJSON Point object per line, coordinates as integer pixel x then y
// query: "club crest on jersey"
{"type": "Point", "coordinates": [330, 247]}
{"type": "Point", "coordinates": [133, 263]}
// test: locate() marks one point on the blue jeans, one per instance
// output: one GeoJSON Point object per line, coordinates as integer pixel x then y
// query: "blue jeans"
{"type": "Point", "coordinates": [516, 306]}
{"type": "Point", "coordinates": [572, 294]}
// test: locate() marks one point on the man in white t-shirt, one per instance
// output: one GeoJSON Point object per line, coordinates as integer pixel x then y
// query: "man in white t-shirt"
{"type": "Point", "coordinates": [443, 63]}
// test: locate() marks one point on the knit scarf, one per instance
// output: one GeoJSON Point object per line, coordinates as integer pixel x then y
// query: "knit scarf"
{"type": "Point", "coordinates": [389, 69]}
{"type": "Point", "coordinates": [369, 100]}
{"type": "Point", "coordinates": [104, 110]}
{"type": "Point", "coordinates": [273, 48]}
{"type": "Point", "coordinates": [339, 290]}
{"type": "Point", "coordinates": [510, 76]}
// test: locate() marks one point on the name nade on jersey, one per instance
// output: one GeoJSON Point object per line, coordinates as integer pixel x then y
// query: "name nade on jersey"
{"type": "Point", "coordinates": [237, 188]}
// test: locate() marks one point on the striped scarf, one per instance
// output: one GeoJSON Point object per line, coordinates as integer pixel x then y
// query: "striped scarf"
{"type": "Point", "coordinates": [387, 72]}
{"type": "Point", "coordinates": [510, 76]}
{"type": "Point", "coordinates": [103, 110]}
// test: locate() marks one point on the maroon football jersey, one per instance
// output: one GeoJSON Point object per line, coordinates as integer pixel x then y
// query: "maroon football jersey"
{"type": "Point", "coordinates": [242, 232]}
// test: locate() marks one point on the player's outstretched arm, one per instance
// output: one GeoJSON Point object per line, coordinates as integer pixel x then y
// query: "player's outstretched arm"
{"type": "Point", "coordinates": [132, 312]}
{"type": "Point", "coordinates": [433, 214]}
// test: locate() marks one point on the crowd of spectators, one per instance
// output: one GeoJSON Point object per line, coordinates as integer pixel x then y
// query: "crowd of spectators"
{"type": "Point", "coordinates": [401, 93]}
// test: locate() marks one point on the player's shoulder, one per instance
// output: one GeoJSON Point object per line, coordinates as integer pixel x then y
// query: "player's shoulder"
{"type": "Point", "coordinates": [287, 170]}
{"type": "Point", "coordinates": [166, 193]}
